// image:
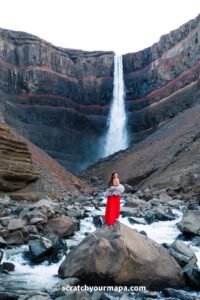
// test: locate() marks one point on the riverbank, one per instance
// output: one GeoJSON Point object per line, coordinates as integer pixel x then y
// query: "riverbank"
{"type": "Point", "coordinates": [156, 217]}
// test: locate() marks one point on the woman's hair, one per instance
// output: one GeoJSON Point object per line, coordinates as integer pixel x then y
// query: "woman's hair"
{"type": "Point", "coordinates": [111, 179]}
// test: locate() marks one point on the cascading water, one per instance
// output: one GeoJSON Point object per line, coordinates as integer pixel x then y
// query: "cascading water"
{"type": "Point", "coordinates": [117, 135]}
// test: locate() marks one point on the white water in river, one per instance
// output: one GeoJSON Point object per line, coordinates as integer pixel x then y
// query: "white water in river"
{"type": "Point", "coordinates": [117, 135]}
{"type": "Point", "coordinates": [44, 276]}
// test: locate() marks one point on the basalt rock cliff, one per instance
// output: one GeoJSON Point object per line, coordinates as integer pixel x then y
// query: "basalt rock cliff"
{"type": "Point", "coordinates": [57, 98]}
{"type": "Point", "coordinates": [60, 98]}
{"type": "Point", "coordinates": [162, 80]}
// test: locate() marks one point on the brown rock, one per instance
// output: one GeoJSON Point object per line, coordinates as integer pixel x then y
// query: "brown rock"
{"type": "Point", "coordinates": [62, 226]}
{"type": "Point", "coordinates": [15, 238]}
{"type": "Point", "coordinates": [32, 197]}
{"type": "Point", "coordinates": [16, 168]}
{"type": "Point", "coordinates": [122, 257]}
{"type": "Point", "coordinates": [16, 223]}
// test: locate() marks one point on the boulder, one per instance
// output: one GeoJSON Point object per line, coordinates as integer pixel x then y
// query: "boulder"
{"type": "Point", "coordinates": [43, 249]}
{"type": "Point", "coordinates": [137, 203]}
{"type": "Point", "coordinates": [15, 223]}
{"type": "Point", "coordinates": [34, 216]}
{"type": "Point", "coordinates": [62, 226]}
{"type": "Point", "coordinates": [165, 197]}
{"type": "Point", "coordinates": [159, 213]}
{"type": "Point", "coordinates": [130, 211]}
{"type": "Point", "coordinates": [183, 254]}
{"type": "Point", "coordinates": [5, 220]}
{"type": "Point", "coordinates": [15, 238]}
{"type": "Point", "coordinates": [121, 256]}
{"type": "Point", "coordinates": [16, 169]}
{"type": "Point", "coordinates": [190, 223]}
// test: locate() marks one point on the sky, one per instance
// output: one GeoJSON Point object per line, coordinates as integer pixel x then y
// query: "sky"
{"type": "Point", "coordinates": [119, 25]}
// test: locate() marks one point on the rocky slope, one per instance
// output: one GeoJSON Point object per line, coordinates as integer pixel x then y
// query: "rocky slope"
{"type": "Point", "coordinates": [16, 168]}
{"type": "Point", "coordinates": [59, 98]}
{"type": "Point", "coordinates": [21, 162]}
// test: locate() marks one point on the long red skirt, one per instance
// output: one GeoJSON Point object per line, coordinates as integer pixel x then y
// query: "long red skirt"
{"type": "Point", "coordinates": [112, 212]}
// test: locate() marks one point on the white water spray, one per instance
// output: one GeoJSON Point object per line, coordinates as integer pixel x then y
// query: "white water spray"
{"type": "Point", "coordinates": [117, 136]}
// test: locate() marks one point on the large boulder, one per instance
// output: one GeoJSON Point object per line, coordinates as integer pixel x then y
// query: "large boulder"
{"type": "Point", "coordinates": [63, 226]}
{"type": "Point", "coordinates": [16, 168]}
{"type": "Point", "coordinates": [190, 223]}
{"type": "Point", "coordinates": [122, 256]}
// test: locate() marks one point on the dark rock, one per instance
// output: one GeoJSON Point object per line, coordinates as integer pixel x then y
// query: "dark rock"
{"type": "Point", "coordinates": [192, 275]}
{"type": "Point", "coordinates": [176, 294]}
{"type": "Point", "coordinates": [159, 213]}
{"type": "Point", "coordinates": [3, 243]}
{"type": "Point", "coordinates": [137, 203]}
{"type": "Point", "coordinates": [98, 221]}
{"type": "Point", "coordinates": [130, 212]}
{"type": "Point", "coordinates": [8, 296]}
{"type": "Point", "coordinates": [7, 266]}
{"type": "Point", "coordinates": [143, 232]}
{"type": "Point", "coordinates": [137, 220]}
{"type": "Point", "coordinates": [1, 255]}
{"type": "Point", "coordinates": [147, 195]}
{"type": "Point", "coordinates": [73, 213]}
{"type": "Point", "coordinates": [42, 249]}
{"type": "Point", "coordinates": [128, 188]}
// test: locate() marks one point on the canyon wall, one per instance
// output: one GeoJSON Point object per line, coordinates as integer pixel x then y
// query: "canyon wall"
{"type": "Point", "coordinates": [57, 98]}
{"type": "Point", "coordinates": [162, 79]}
{"type": "Point", "coordinates": [60, 98]}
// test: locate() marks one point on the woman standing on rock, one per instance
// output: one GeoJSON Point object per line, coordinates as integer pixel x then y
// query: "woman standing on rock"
{"type": "Point", "coordinates": [113, 193]}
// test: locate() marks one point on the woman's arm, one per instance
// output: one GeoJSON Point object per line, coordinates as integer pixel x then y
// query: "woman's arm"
{"type": "Point", "coordinates": [116, 181]}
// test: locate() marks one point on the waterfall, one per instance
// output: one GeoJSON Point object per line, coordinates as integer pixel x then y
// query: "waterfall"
{"type": "Point", "coordinates": [117, 135]}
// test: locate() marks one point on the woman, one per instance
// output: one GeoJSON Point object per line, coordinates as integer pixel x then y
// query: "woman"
{"type": "Point", "coordinates": [113, 193]}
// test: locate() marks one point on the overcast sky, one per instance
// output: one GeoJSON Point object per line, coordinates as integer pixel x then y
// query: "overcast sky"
{"type": "Point", "coordinates": [119, 25]}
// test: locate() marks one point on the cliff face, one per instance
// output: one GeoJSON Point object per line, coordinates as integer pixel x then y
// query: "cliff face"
{"type": "Point", "coordinates": [162, 80]}
{"type": "Point", "coordinates": [57, 98]}
{"type": "Point", "coordinates": [60, 98]}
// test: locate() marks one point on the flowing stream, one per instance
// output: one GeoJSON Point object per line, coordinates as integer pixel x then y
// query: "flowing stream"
{"type": "Point", "coordinates": [44, 276]}
{"type": "Point", "coordinates": [117, 135]}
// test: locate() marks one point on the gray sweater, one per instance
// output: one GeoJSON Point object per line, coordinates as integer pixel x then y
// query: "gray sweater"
{"type": "Point", "coordinates": [115, 190]}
